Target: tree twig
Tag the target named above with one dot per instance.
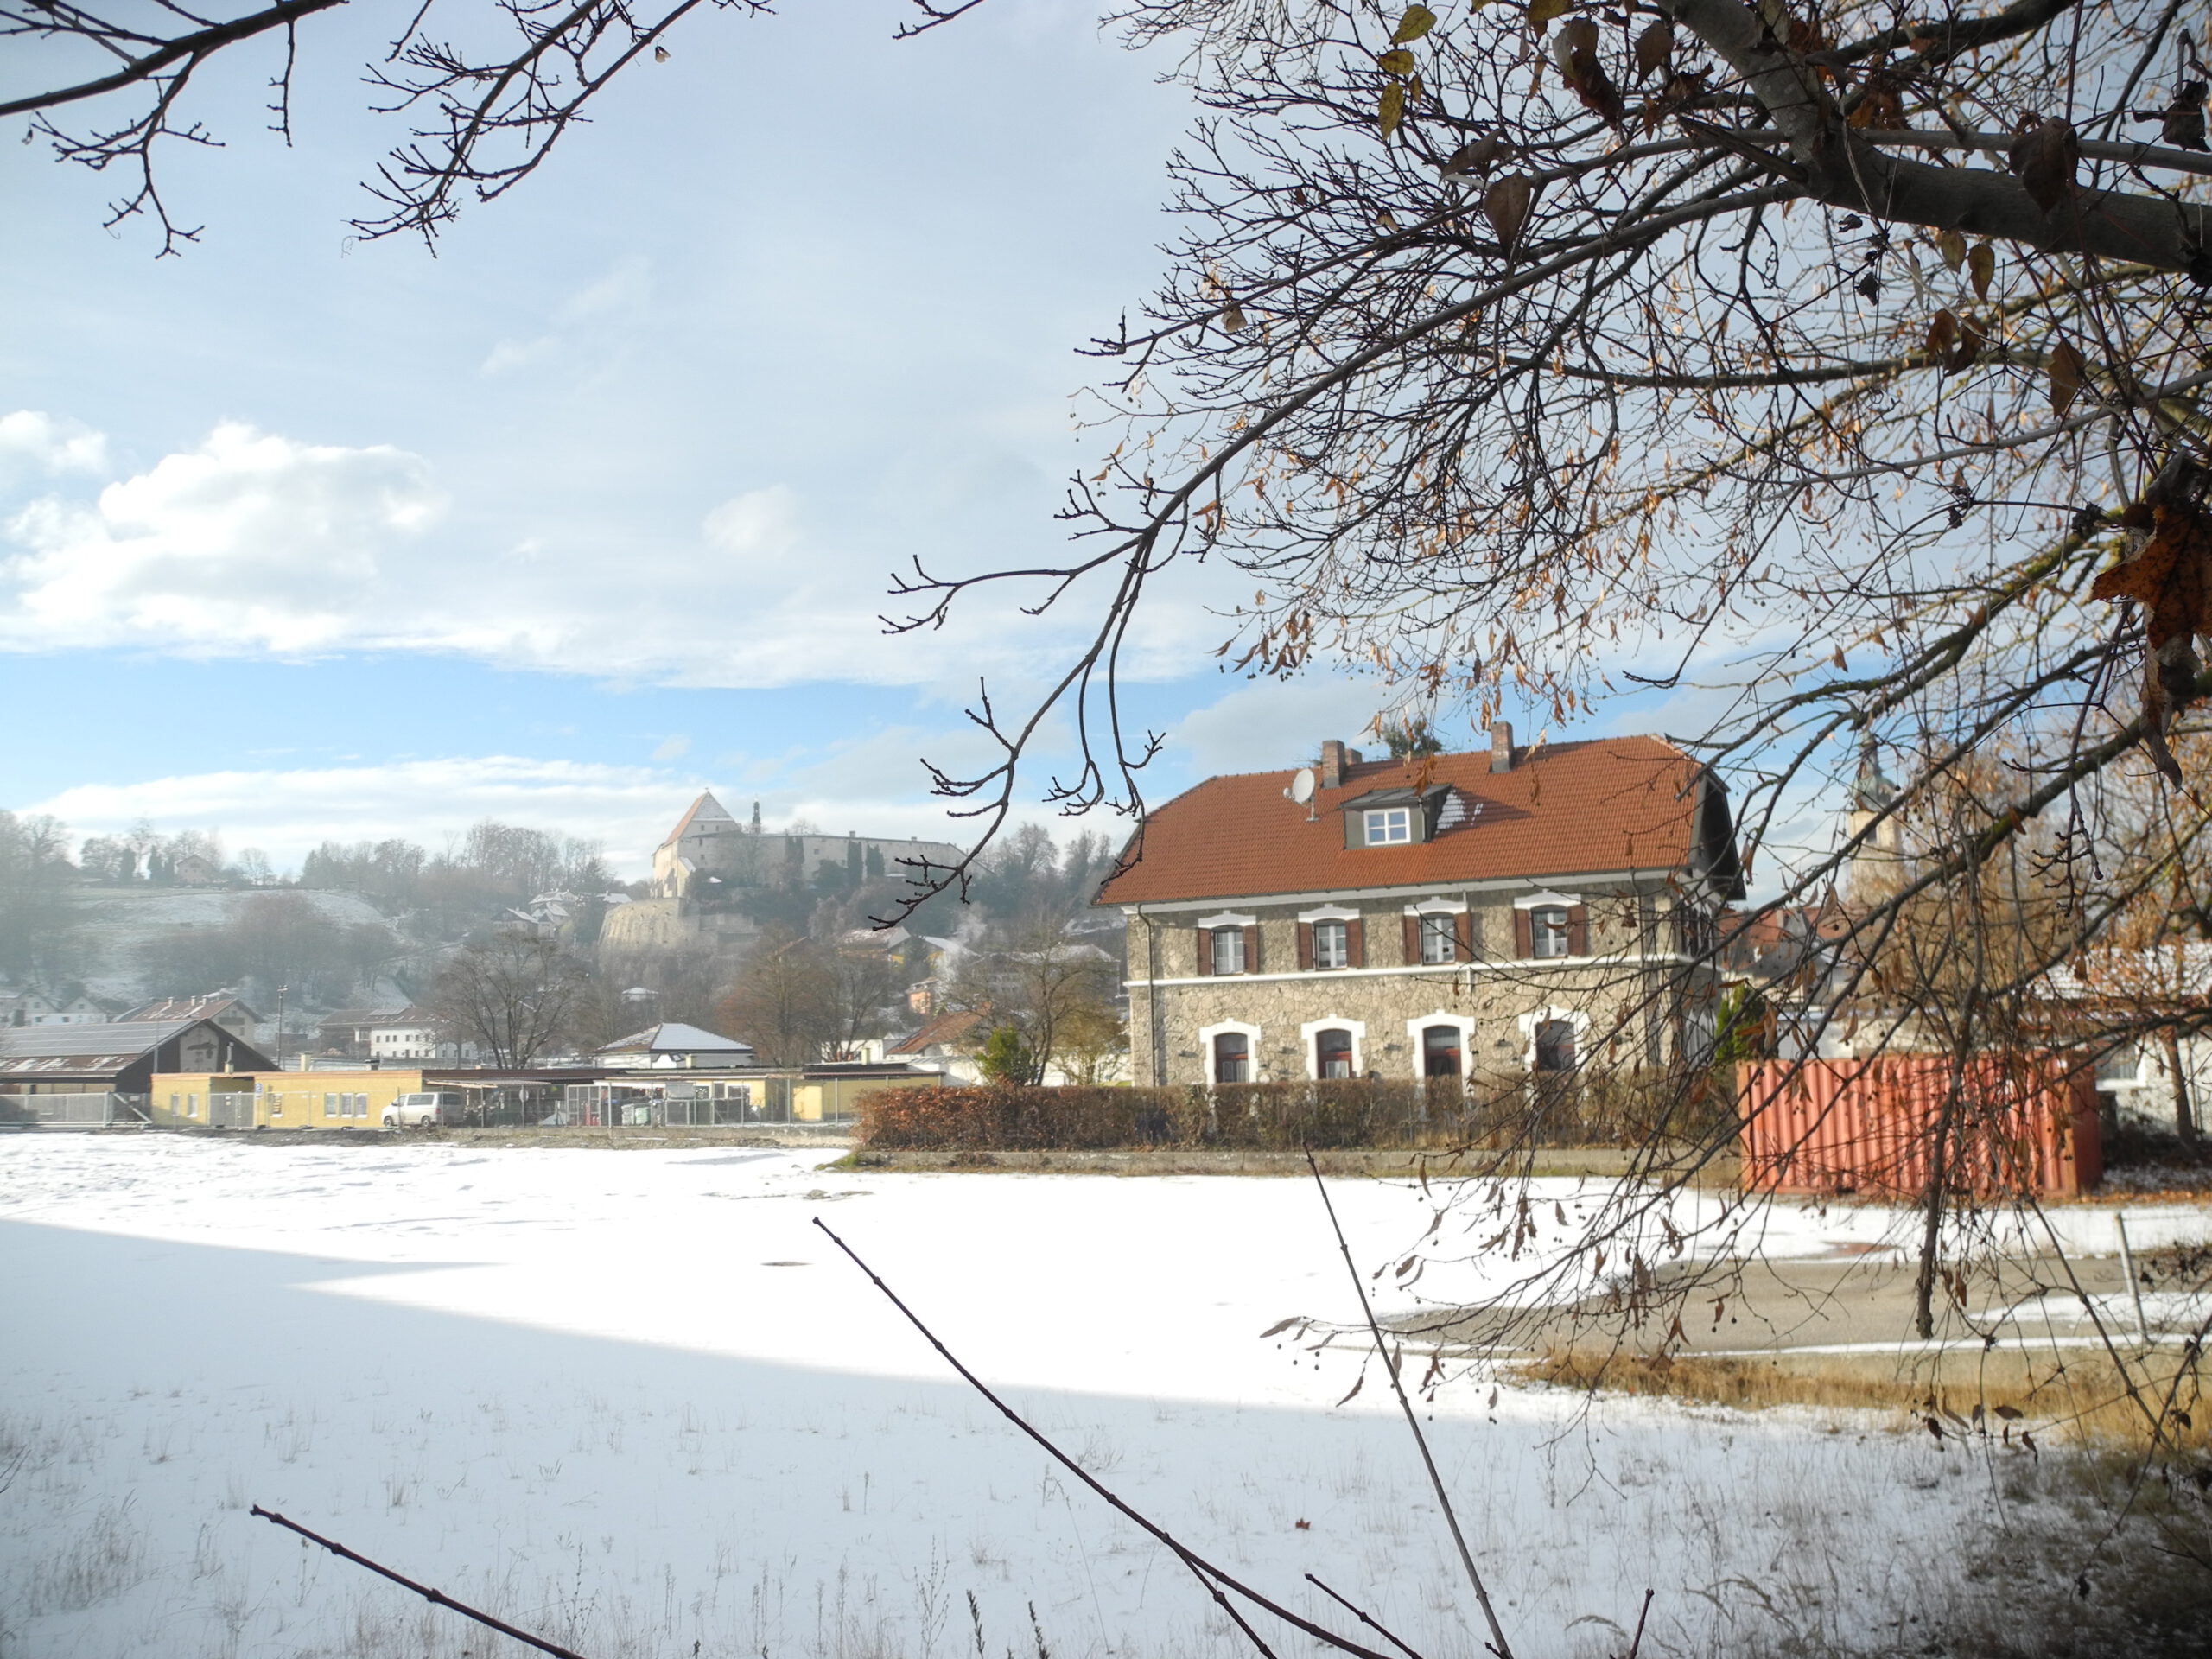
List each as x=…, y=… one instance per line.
x=1498, y=1642
x=1206, y=1573
x=437, y=1598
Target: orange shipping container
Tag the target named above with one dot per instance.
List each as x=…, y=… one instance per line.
x=2008, y=1125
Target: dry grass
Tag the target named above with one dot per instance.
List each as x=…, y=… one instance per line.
x=2078, y=1395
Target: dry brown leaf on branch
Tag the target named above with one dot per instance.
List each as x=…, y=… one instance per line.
x=1654, y=47
x=1477, y=155
x=2170, y=576
x=1953, y=247
x=2068, y=375
x=2044, y=158
x=1396, y=62
x=1574, y=48
x=1416, y=22
x=1542, y=11
x=1391, y=111
x=1942, y=332
x=1982, y=265
x=1506, y=205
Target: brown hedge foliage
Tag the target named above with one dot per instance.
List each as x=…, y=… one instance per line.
x=1285, y=1116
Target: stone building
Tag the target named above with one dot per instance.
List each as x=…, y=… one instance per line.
x=1494, y=913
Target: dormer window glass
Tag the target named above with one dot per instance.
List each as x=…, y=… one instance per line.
x=1332, y=944
x=1440, y=939
x=1388, y=826
x=1547, y=931
x=1228, y=951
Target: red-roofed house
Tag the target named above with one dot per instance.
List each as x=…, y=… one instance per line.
x=1446, y=915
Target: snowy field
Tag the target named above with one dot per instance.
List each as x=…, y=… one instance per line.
x=635, y=1400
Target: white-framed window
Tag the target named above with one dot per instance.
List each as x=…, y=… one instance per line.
x=330, y=1105
x=1440, y=939
x=1332, y=944
x=1554, y=1045
x=1548, y=930
x=276, y=1105
x=1443, y=1043
x=1443, y=1051
x=1228, y=949
x=1231, y=1051
x=2122, y=1065
x=1387, y=826
x=1335, y=1047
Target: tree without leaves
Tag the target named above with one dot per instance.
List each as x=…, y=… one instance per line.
x=784, y=1002
x=486, y=88
x=511, y=994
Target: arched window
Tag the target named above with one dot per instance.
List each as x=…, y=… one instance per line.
x=1232, y=1056
x=1555, y=1046
x=1548, y=930
x=1332, y=1052
x=1440, y=1052
x=1229, y=950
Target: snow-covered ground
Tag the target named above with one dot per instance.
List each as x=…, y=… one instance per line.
x=635, y=1400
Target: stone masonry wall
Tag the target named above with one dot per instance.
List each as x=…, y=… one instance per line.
x=1495, y=991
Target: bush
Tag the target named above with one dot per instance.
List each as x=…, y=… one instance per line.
x=1278, y=1116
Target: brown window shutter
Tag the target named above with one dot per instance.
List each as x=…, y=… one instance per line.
x=1205, y=950
x=1524, y=934
x=1578, y=931
x=1463, y=934
x=1412, y=937
x=1252, y=951
x=1355, y=942
x=1305, y=946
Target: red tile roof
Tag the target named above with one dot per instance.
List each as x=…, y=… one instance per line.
x=1605, y=804
x=943, y=1031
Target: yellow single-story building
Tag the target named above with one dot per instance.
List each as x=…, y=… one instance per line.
x=280, y=1100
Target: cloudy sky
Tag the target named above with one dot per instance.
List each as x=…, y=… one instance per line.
x=301, y=538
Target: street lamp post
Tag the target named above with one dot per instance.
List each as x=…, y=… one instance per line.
x=279, y=1028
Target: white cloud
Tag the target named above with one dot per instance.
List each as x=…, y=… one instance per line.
x=249, y=541
x=673, y=748
x=588, y=325
x=1269, y=724
x=256, y=543
x=34, y=440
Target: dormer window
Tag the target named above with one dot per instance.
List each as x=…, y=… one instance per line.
x=1548, y=930
x=1387, y=826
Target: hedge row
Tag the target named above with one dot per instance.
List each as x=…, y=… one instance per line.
x=1357, y=1112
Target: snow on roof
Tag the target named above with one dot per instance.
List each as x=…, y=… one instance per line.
x=674, y=1037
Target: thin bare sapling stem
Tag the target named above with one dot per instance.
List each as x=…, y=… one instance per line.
x=1205, y=1571
x=1498, y=1642
x=436, y=1598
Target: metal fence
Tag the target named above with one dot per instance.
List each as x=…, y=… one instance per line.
x=82, y=1111
x=685, y=1105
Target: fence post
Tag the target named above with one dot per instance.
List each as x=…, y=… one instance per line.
x=2134, y=1285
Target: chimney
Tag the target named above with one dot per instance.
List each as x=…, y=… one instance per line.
x=1333, y=764
x=1501, y=746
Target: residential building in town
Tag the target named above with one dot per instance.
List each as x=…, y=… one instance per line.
x=1492, y=913
x=119, y=1056
x=223, y=1007
x=30, y=1007
x=673, y=1044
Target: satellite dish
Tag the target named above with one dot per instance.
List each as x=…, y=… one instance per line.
x=1301, y=785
